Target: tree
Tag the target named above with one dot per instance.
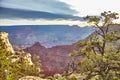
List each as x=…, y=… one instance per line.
x=4, y=61
x=14, y=66
x=101, y=52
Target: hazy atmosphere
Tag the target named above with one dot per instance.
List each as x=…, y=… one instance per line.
x=59, y=40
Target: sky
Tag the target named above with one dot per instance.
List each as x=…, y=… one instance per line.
x=93, y=7
x=63, y=12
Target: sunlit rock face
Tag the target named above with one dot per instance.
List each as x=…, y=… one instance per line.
x=27, y=58
x=8, y=46
x=31, y=78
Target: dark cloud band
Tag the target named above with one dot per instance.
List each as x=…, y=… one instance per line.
x=8, y=13
x=52, y=6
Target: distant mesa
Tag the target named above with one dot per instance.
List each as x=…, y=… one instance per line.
x=55, y=58
x=47, y=35
x=38, y=45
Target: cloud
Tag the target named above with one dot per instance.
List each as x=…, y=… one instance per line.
x=93, y=7
x=52, y=6
x=7, y=13
x=11, y=22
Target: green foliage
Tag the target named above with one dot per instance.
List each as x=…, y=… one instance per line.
x=92, y=18
x=4, y=61
x=69, y=77
x=13, y=70
x=100, y=53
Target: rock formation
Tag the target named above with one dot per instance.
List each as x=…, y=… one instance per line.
x=31, y=78
x=53, y=59
x=8, y=46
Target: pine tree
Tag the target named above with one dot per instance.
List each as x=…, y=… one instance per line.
x=100, y=53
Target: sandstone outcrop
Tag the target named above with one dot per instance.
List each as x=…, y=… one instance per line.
x=8, y=46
